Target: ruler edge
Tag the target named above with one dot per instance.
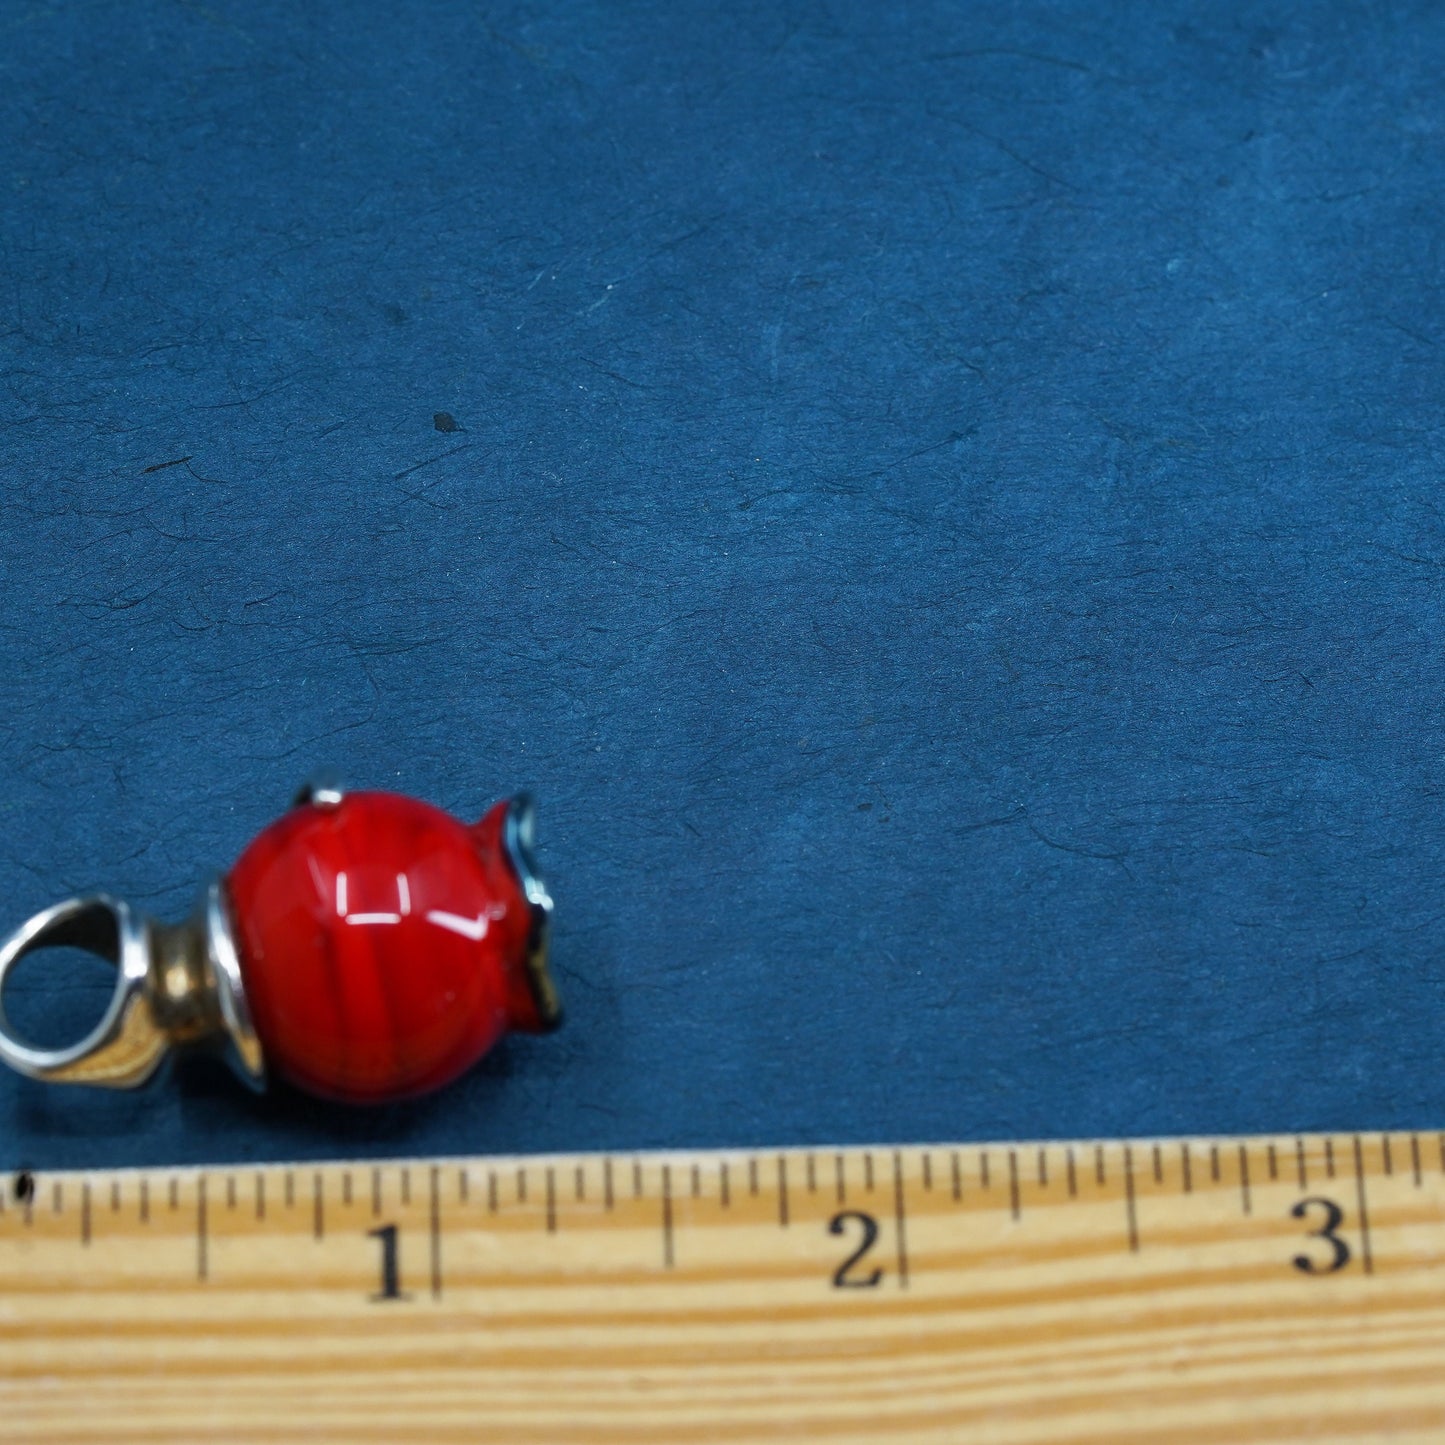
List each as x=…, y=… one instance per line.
x=700, y=1154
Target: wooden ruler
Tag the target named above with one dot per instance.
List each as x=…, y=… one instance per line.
x=1204, y=1290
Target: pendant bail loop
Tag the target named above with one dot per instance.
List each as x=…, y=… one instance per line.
x=176, y=985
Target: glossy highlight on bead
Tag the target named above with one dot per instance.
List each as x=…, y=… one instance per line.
x=365, y=947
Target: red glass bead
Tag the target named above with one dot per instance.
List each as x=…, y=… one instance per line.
x=385, y=946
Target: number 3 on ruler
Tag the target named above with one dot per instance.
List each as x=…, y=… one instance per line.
x=1334, y=1217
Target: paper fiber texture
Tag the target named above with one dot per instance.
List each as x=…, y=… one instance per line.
x=940, y=502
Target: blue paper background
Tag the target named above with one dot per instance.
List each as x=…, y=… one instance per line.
x=945, y=513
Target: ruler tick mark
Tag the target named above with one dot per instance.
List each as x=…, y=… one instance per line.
x=145, y=1201
x=434, y=1222
x=696, y=1181
x=1013, y=1183
x=57, y=1198
x=1158, y=1165
x=637, y=1180
x=900, y=1224
x=464, y=1186
x=376, y=1193
x=1415, y=1161
x=723, y=1194
x=173, y=1192
x=491, y=1191
x=812, y=1173
x=579, y=1184
x=318, y=1206
x=607, y=1183
x=840, y=1179
x=521, y=1187
x=1043, y=1168
x=1214, y=1163
x=928, y=1170
x=406, y=1188
x=202, y=1262
x=260, y=1195
x=1099, y=1165
x=290, y=1189
x=667, y=1254
x=1385, y=1155
x=114, y=1196
x=783, y=1190
x=1073, y=1172
x=983, y=1169
x=1130, y=1207
x=1186, y=1169
x=346, y=1187
x=1299, y=1159
x=1366, y=1258
x=85, y=1213
x=230, y=1191
x=1329, y=1158
x=1244, y=1178
x=868, y=1170
x=955, y=1175
x=551, y=1177
x=1273, y=1160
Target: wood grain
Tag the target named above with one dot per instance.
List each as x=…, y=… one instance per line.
x=1083, y=1293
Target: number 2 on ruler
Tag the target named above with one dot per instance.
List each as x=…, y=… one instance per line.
x=843, y=1276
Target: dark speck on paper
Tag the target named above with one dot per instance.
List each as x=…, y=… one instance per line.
x=445, y=421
